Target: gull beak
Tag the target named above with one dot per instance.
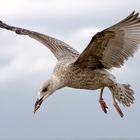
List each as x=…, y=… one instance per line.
x=37, y=104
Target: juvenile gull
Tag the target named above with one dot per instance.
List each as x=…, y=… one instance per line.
x=89, y=70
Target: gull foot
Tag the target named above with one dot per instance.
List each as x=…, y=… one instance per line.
x=103, y=105
x=118, y=109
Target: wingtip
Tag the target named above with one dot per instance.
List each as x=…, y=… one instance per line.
x=137, y=14
x=2, y=25
x=134, y=13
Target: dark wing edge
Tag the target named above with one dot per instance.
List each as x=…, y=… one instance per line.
x=112, y=46
x=60, y=49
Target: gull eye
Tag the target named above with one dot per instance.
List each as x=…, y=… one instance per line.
x=44, y=89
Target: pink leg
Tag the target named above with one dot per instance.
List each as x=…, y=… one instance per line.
x=117, y=106
x=102, y=102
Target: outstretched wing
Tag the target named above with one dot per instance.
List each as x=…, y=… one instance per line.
x=112, y=46
x=59, y=49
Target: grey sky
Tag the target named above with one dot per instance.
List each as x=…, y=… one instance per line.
x=25, y=64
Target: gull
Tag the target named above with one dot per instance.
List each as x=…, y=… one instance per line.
x=90, y=70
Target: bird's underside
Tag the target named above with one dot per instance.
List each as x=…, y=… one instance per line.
x=93, y=79
x=107, y=49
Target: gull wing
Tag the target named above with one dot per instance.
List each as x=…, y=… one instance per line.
x=112, y=46
x=60, y=49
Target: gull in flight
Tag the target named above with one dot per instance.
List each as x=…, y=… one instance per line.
x=107, y=49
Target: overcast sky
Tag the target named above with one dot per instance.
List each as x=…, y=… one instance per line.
x=25, y=64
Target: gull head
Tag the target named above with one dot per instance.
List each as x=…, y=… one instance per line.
x=46, y=90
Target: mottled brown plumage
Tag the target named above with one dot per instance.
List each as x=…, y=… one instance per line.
x=112, y=46
x=88, y=70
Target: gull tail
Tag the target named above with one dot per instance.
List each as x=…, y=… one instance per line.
x=123, y=93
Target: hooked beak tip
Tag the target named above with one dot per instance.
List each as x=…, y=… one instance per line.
x=37, y=104
x=34, y=111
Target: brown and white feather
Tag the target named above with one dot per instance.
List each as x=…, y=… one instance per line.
x=112, y=46
x=60, y=49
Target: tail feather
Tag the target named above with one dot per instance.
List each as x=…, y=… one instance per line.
x=123, y=93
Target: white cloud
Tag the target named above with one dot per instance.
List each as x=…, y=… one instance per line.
x=64, y=8
x=25, y=59
x=87, y=32
x=81, y=37
x=25, y=65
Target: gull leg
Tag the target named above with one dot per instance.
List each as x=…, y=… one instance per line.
x=117, y=106
x=102, y=102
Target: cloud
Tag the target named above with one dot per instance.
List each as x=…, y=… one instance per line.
x=63, y=8
x=23, y=57
x=81, y=37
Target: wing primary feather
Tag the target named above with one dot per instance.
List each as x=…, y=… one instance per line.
x=60, y=49
x=114, y=45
